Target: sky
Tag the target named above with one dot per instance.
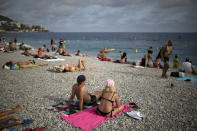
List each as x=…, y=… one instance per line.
x=105, y=15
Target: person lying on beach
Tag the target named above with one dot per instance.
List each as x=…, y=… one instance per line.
x=109, y=98
x=5, y=118
x=23, y=47
x=164, y=54
x=78, y=53
x=82, y=94
x=39, y=55
x=71, y=68
x=102, y=55
x=17, y=65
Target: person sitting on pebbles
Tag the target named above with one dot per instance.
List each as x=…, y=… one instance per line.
x=27, y=53
x=78, y=53
x=109, y=98
x=82, y=94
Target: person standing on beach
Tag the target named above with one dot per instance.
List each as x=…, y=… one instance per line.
x=15, y=40
x=176, y=62
x=150, y=52
x=82, y=94
x=52, y=45
x=164, y=54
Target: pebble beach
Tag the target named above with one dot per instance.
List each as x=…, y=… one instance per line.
x=166, y=107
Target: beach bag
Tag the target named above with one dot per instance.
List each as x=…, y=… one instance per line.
x=177, y=74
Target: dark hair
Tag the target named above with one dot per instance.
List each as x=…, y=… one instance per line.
x=187, y=60
x=151, y=47
x=80, y=79
x=170, y=42
x=78, y=51
x=176, y=56
x=124, y=55
x=9, y=64
x=44, y=45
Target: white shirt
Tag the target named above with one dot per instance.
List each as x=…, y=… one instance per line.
x=187, y=67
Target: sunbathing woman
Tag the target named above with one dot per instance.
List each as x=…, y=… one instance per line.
x=17, y=65
x=4, y=118
x=71, y=68
x=108, y=99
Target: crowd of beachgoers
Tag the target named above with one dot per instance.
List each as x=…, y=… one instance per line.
x=150, y=83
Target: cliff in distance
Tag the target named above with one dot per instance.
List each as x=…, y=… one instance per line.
x=9, y=25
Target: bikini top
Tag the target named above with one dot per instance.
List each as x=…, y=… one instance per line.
x=108, y=99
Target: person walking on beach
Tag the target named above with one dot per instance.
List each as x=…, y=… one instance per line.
x=164, y=54
x=82, y=94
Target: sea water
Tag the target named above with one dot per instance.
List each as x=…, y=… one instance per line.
x=185, y=44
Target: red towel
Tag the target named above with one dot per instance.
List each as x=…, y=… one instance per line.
x=88, y=119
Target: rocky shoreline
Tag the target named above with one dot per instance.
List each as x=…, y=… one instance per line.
x=167, y=108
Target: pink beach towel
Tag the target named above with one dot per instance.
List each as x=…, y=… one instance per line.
x=89, y=120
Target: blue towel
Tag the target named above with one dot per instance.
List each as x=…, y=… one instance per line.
x=12, y=129
x=27, y=121
x=190, y=79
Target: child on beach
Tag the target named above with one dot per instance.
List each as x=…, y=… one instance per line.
x=82, y=94
x=176, y=62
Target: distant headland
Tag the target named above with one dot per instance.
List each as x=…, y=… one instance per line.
x=8, y=25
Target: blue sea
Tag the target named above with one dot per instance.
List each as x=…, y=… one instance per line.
x=91, y=42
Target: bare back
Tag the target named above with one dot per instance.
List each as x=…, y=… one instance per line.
x=107, y=105
x=78, y=91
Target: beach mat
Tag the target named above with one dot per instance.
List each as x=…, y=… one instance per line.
x=58, y=59
x=88, y=119
x=70, y=109
x=189, y=79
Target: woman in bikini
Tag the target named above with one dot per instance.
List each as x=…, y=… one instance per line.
x=108, y=99
x=70, y=68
